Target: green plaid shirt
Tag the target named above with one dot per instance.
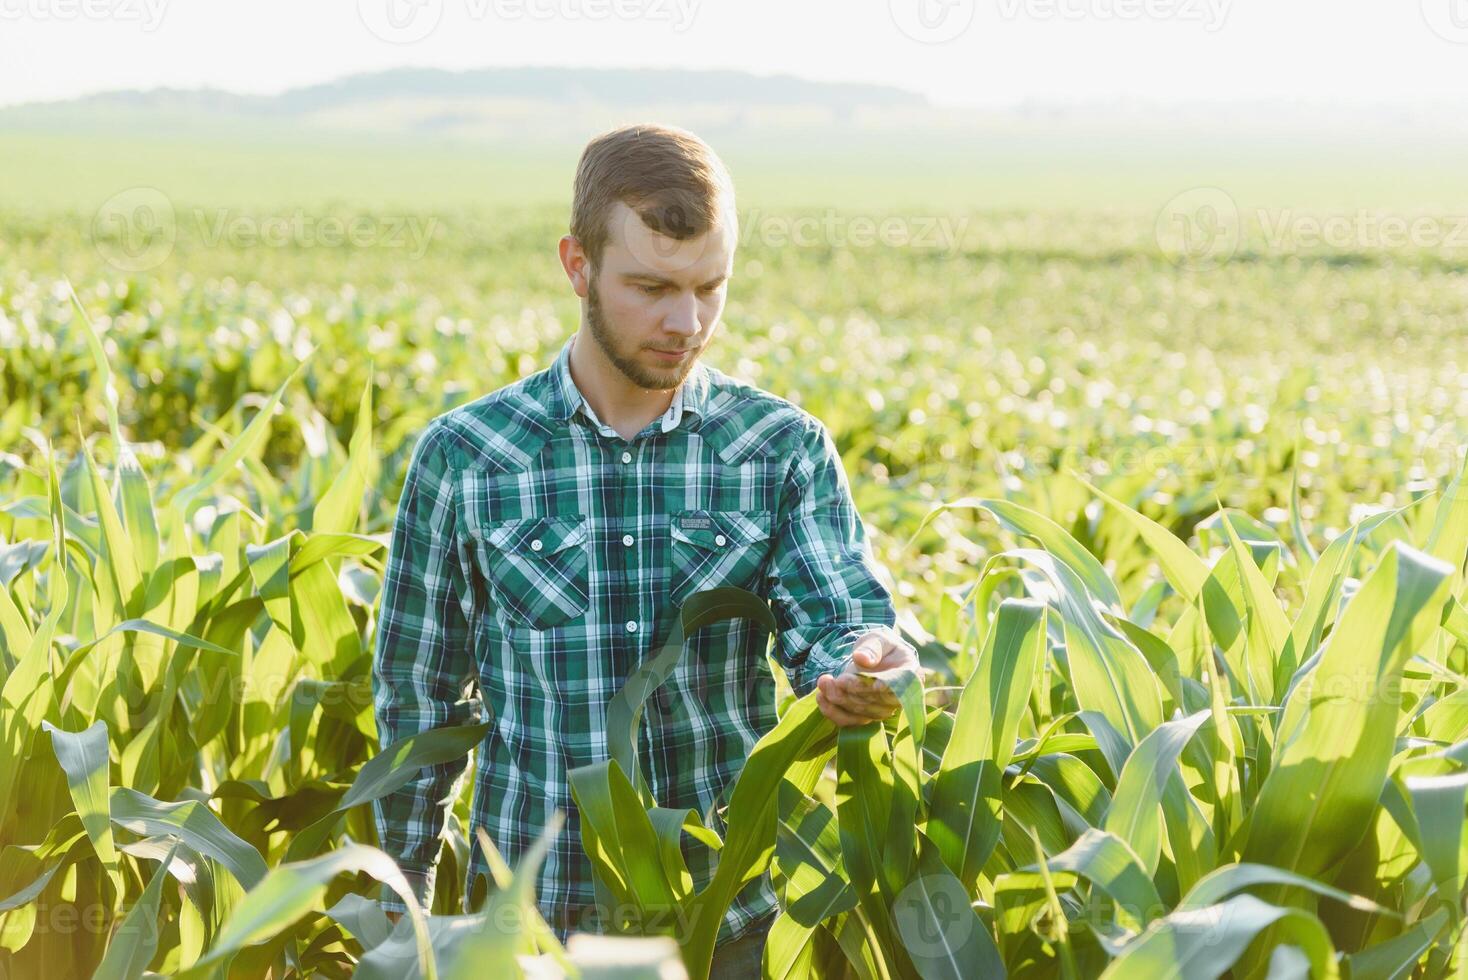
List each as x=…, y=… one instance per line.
x=537, y=558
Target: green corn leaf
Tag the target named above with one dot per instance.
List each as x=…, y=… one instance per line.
x=1395, y=958
x=796, y=749
x=857, y=944
x=1134, y=814
x=1271, y=658
x=907, y=772
x=963, y=820
x=1297, y=526
x=624, y=713
x=1107, y=674
x=865, y=787
x=1111, y=865
x=78, y=657
x=135, y=496
x=180, y=507
x=29, y=892
x=193, y=823
x=402, y=760
x=1438, y=803
x=339, y=508
x=940, y=932
x=388, y=770
x=120, y=564
x=1222, y=882
x=1448, y=539
x=507, y=923
x=290, y=890
x=321, y=546
x=790, y=950
x=669, y=826
x=1051, y=536
x=1203, y=943
x=138, y=513
x=619, y=835
x=808, y=851
x=1075, y=786
x=1337, y=733
x=29, y=691
x=1456, y=622
x=134, y=943
x=1184, y=569
x=364, y=919
x=83, y=755
x=195, y=874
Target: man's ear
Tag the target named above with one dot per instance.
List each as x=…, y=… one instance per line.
x=576, y=263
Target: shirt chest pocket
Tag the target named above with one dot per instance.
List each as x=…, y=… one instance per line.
x=536, y=568
x=713, y=548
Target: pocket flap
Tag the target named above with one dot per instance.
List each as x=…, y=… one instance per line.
x=715, y=529
x=536, y=537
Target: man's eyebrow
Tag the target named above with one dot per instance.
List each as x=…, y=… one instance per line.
x=664, y=281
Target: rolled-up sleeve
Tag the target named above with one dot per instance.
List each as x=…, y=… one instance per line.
x=423, y=664
x=824, y=584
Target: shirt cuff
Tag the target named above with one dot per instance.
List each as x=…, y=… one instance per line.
x=419, y=880
x=830, y=655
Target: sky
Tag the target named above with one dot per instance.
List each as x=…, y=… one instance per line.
x=985, y=53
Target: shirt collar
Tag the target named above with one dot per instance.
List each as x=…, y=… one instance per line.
x=691, y=396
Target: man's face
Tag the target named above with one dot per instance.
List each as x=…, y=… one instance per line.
x=652, y=293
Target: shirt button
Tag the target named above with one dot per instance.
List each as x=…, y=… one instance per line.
x=536, y=545
x=631, y=626
x=626, y=457
x=719, y=540
x=627, y=539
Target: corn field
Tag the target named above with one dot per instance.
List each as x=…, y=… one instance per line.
x=1168, y=726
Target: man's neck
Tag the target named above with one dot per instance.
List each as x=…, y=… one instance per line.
x=616, y=401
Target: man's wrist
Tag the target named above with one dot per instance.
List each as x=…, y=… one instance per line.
x=831, y=655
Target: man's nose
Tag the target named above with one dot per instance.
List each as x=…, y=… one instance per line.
x=683, y=317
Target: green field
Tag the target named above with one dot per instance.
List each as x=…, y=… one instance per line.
x=1020, y=340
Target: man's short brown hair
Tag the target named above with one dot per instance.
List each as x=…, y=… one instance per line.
x=669, y=177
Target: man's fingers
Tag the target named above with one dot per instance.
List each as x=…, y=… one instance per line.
x=839, y=714
x=868, y=698
x=833, y=693
x=848, y=692
x=870, y=650
x=835, y=696
x=868, y=690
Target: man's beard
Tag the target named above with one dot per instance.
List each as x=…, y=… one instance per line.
x=635, y=371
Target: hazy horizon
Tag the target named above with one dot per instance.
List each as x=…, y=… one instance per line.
x=956, y=53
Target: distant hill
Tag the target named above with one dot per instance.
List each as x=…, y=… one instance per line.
x=559, y=104
x=492, y=102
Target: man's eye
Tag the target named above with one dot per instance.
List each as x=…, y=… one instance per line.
x=650, y=290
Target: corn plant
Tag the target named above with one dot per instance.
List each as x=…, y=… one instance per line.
x=1250, y=789
x=1255, y=765
x=187, y=751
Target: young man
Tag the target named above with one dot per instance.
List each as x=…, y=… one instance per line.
x=548, y=532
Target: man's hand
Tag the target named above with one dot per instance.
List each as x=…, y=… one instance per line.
x=861, y=692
